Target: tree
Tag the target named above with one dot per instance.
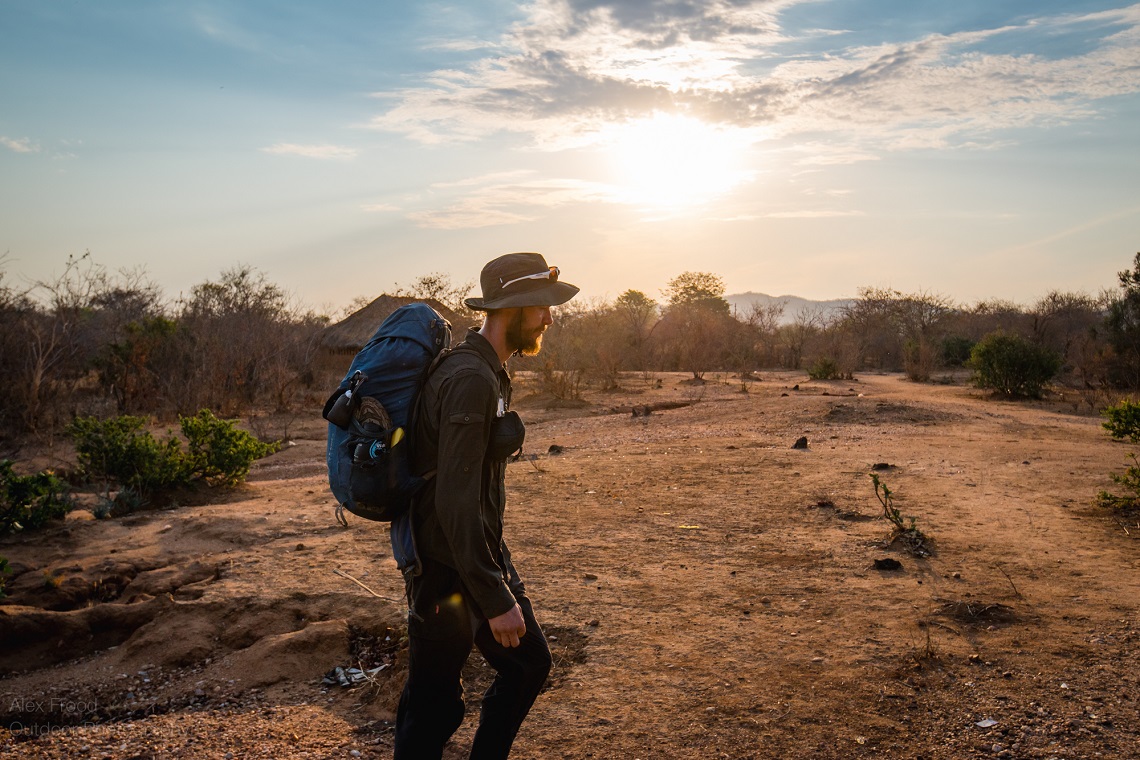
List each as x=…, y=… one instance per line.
x=638, y=314
x=1123, y=325
x=763, y=322
x=892, y=329
x=700, y=289
x=242, y=291
x=794, y=337
x=1012, y=366
x=245, y=342
x=438, y=286
x=1068, y=324
x=697, y=321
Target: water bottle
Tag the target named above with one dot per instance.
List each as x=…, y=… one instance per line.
x=367, y=453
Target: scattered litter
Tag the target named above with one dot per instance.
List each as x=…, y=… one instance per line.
x=987, y=723
x=690, y=527
x=349, y=677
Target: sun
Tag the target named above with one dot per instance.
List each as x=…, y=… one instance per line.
x=668, y=161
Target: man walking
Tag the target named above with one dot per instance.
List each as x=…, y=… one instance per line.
x=468, y=592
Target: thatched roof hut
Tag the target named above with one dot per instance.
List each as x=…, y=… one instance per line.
x=351, y=333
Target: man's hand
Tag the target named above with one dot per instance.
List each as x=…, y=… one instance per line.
x=509, y=627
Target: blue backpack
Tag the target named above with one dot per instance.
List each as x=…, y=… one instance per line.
x=371, y=416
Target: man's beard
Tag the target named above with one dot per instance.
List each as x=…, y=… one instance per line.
x=527, y=345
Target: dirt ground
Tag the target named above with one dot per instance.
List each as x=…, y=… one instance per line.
x=709, y=591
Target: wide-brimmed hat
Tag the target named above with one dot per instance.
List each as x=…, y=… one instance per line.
x=520, y=279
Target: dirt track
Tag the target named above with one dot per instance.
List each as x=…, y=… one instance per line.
x=709, y=592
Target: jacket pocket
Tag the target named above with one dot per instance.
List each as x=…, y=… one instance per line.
x=466, y=418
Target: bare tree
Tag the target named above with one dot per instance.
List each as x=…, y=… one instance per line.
x=764, y=321
x=794, y=337
x=439, y=286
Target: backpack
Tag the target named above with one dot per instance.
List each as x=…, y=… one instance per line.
x=371, y=416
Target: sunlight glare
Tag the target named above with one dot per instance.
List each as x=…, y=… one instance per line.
x=670, y=161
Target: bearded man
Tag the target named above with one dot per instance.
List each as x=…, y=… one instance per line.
x=467, y=592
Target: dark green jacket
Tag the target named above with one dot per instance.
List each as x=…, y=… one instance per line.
x=458, y=516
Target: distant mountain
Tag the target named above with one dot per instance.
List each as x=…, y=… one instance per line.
x=742, y=303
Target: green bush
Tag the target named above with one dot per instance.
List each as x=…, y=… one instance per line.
x=956, y=350
x=30, y=501
x=1123, y=421
x=1130, y=480
x=1012, y=366
x=118, y=450
x=913, y=540
x=219, y=452
x=825, y=369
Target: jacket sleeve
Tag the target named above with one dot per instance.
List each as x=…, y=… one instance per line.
x=467, y=409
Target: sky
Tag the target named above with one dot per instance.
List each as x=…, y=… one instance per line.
x=971, y=149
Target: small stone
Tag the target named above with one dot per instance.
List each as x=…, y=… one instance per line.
x=592, y=623
x=355, y=753
x=801, y=443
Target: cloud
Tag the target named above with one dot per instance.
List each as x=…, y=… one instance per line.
x=378, y=208
x=334, y=152
x=821, y=154
x=821, y=214
x=575, y=66
x=497, y=202
x=19, y=144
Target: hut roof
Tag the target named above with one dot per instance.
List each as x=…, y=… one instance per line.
x=351, y=333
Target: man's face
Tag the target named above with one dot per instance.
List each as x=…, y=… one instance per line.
x=527, y=327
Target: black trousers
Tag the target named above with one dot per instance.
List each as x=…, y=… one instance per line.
x=431, y=706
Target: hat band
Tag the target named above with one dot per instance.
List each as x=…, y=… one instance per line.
x=550, y=274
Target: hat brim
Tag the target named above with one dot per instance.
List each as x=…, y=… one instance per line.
x=554, y=294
